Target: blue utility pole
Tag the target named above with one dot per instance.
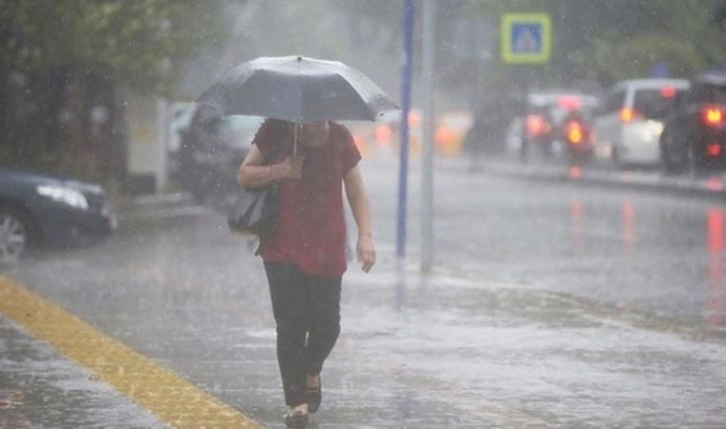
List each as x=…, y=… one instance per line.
x=406, y=79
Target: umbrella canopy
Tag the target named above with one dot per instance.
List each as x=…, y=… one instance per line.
x=298, y=89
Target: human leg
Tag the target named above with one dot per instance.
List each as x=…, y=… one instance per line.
x=288, y=293
x=324, y=328
x=324, y=318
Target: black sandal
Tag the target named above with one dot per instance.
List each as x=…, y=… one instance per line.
x=315, y=396
x=296, y=420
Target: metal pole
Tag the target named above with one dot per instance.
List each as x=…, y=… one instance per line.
x=429, y=106
x=405, y=108
x=526, y=140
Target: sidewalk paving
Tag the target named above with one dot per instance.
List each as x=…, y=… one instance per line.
x=40, y=388
x=415, y=352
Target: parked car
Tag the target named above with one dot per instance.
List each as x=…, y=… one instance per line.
x=551, y=117
x=38, y=209
x=212, y=149
x=694, y=137
x=630, y=120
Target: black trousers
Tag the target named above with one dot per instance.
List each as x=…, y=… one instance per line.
x=307, y=313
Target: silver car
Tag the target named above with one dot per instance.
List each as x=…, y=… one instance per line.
x=630, y=120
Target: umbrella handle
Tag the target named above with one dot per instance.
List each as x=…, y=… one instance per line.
x=294, y=141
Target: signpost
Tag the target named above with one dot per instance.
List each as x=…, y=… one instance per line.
x=406, y=77
x=427, y=178
x=526, y=42
x=526, y=38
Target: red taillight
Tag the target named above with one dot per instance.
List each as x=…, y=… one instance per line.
x=569, y=102
x=714, y=149
x=668, y=92
x=713, y=115
x=536, y=125
x=628, y=115
x=574, y=132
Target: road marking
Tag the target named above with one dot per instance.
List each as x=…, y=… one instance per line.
x=165, y=394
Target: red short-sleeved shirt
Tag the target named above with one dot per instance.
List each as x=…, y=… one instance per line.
x=310, y=229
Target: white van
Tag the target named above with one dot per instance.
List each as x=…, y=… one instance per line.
x=630, y=120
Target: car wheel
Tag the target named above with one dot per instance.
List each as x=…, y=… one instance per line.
x=15, y=230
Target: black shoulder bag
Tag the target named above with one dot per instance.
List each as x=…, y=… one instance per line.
x=255, y=211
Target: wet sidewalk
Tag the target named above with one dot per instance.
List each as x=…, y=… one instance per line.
x=447, y=350
x=435, y=352
x=40, y=388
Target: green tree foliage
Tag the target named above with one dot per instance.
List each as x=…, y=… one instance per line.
x=63, y=58
x=136, y=43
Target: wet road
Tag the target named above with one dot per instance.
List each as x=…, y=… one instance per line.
x=551, y=305
x=660, y=254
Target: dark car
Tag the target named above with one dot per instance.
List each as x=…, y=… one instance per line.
x=694, y=133
x=40, y=209
x=212, y=149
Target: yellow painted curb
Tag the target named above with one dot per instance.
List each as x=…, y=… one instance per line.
x=172, y=399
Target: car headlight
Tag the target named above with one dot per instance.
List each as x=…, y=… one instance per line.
x=70, y=196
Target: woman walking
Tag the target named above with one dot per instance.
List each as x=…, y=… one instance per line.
x=304, y=257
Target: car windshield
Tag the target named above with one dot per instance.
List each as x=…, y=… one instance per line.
x=654, y=103
x=558, y=106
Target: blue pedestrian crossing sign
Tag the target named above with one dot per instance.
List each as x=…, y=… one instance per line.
x=526, y=38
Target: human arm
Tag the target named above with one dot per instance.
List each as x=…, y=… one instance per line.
x=360, y=206
x=254, y=174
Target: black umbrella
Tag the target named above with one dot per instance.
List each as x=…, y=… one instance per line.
x=298, y=89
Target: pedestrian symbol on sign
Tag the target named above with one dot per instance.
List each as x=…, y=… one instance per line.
x=526, y=38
